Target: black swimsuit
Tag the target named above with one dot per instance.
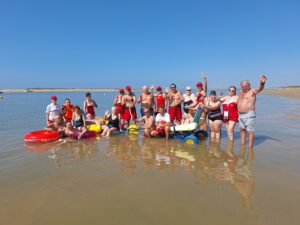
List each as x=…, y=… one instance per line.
x=113, y=122
x=215, y=114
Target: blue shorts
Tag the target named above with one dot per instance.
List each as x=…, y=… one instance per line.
x=247, y=120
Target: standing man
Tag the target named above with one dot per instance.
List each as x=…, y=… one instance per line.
x=128, y=102
x=175, y=98
x=147, y=101
x=246, y=106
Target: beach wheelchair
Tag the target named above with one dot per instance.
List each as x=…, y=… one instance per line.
x=189, y=133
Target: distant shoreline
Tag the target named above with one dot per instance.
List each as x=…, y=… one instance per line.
x=59, y=90
x=290, y=92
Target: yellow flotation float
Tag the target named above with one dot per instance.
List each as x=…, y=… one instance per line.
x=132, y=129
x=94, y=127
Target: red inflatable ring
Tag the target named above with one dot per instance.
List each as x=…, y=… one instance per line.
x=41, y=136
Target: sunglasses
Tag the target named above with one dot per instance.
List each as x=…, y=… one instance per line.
x=231, y=90
x=188, y=89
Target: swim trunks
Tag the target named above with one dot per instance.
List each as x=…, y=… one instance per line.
x=247, y=120
x=175, y=112
x=127, y=114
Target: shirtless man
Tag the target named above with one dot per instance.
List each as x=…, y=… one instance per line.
x=147, y=100
x=118, y=104
x=246, y=106
x=128, y=102
x=148, y=120
x=175, y=98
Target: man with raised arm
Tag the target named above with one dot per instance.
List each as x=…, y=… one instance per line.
x=246, y=106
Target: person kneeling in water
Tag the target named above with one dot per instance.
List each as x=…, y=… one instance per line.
x=148, y=120
x=162, y=123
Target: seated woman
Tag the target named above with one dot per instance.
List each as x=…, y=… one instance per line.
x=78, y=121
x=187, y=117
x=113, y=123
x=57, y=125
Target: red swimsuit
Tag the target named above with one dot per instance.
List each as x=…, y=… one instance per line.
x=160, y=100
x=232, y=109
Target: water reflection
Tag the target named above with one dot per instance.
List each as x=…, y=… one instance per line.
x=206, y=162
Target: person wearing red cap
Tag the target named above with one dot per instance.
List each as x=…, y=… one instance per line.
x=89, y=104
x=201, y=94
x=147, y=100
x=175, y=98
x=128, y=102
x=52, y=110
x=160, y=99
x=118, y=103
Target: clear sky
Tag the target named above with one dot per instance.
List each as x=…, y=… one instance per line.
x=111, y=43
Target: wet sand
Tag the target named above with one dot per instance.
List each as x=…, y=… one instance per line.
x=290, y=92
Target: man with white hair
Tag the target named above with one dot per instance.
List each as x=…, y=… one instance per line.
x=246, y=106
x=147, y=101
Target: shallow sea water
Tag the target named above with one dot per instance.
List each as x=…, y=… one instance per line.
x=128, y=179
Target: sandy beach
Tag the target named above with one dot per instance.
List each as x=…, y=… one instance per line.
x=290, y=92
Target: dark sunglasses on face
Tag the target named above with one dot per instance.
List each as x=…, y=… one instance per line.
x=188, y=89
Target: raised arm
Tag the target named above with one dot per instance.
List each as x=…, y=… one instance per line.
x=262, y=80
x=204, y=82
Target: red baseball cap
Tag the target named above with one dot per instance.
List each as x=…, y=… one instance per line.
x=128, y=88
x=53, y=97
x=199, y=84
x=158, y=88
x=121, y=90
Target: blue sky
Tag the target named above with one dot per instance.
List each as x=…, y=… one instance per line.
x=112, y=43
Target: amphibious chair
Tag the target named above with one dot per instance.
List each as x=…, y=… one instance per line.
x=189, y=133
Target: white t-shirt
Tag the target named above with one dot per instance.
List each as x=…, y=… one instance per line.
x=165, y=117
x=53, y=111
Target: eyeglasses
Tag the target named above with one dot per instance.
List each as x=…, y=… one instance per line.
x=188, y=89
x=231, y=90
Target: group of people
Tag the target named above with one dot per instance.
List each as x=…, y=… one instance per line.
x=162, y=109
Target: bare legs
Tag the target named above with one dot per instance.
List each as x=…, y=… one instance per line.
x=250, y=135
x=215, y=130
x=230, y=129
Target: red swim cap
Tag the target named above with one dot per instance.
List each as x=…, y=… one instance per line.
x=121, y=90
x=199, y=84
x=128, y=88
x=158, y=88
x=53, y=97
